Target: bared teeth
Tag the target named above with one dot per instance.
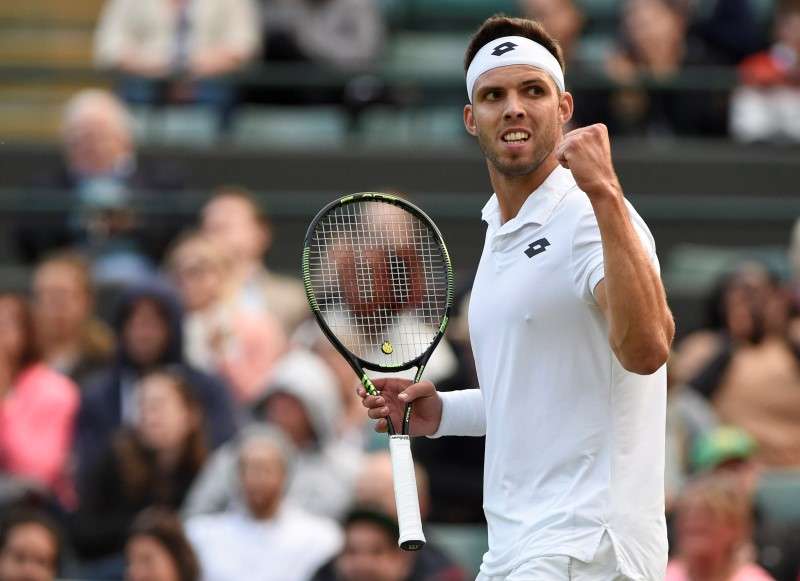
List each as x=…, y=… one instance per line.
x=516, y=136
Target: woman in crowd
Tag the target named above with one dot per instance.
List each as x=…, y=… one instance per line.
x=219, y=336
x=152, y=463
x=158, y=550
x=37, y=406
x=72, y=340
x=713, y=529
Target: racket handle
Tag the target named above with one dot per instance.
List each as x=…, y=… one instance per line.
x=405, y=494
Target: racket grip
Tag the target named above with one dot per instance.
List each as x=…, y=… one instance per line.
x=405, y=494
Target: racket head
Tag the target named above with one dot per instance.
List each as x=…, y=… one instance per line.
x=379, y=281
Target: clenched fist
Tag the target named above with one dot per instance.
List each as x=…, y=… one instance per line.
x=587, y=152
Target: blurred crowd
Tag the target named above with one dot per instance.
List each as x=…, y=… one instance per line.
x=655, y=67
x=196, y=424
x=169, y=412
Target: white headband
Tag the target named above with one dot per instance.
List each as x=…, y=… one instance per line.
x=513, y=50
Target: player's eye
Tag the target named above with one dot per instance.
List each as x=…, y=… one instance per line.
x=536, y=90
x=491, y=95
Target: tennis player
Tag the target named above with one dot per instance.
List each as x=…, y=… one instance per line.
x=570, y=330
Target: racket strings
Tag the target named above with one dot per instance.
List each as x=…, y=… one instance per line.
x=381, y=280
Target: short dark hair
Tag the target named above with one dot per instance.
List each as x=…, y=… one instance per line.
x=20, y=516
x=499, y=25
x=165, y=528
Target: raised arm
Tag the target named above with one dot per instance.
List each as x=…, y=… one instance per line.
x=631, y=295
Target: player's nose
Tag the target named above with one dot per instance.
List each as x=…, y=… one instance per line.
x=514, y=108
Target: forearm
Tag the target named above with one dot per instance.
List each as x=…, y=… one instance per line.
x=463, y=414
x=640, y=323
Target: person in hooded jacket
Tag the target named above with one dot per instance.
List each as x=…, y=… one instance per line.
x=148, y=324
x=303, y=401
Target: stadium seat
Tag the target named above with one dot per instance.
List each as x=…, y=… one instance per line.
x=307, y=126
x=694, y=268
x=778, y=496
x=427, y=53
x=466, y=544
x=455, y=14
x=429, y=126
x=184, y=125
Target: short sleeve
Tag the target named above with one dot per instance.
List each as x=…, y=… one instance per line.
x=587, y=251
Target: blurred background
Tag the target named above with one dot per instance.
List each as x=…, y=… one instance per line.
x=162, y=393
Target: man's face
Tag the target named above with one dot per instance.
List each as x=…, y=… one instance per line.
x=517, y=115
x=29, y=554
x=145, y=333
x=96, y=141
x=231, y=223
x=61, y=303
x=148, y=560
x=370, y=555
x=290, y=415
x=262, y=473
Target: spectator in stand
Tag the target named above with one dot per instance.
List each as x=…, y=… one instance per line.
x=714, y=522
x=729, y=29
x=655, y=45
x=37, y=406
x=220, y=336
x=375, y=491
x=99, y=166
x=345, y=34
x=690, y=418
x=71, y=339
x=565, y=21
x=354, y=426
x=749, y=368
x=302, y=401
x=765, y=107
x=267, y=539
x=370, y=552
x=186, y=44
x=148, y=324
x=235, y=223
x=158, y=550
x=30, y=547
x=455, y=465
x=152, y=463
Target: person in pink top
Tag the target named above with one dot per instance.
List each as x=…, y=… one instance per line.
x=37, y=406
x=713, y=530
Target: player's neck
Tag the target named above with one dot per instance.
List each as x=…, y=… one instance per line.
x=512, y=191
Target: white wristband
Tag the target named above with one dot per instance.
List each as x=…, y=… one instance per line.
x=463, y=414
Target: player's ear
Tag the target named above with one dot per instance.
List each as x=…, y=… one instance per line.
x=469, y=120
x=565, y=107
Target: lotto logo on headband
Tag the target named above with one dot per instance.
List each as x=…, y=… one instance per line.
x=513, y=50
x=502, y=49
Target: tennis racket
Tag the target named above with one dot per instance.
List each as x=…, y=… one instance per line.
x=379, y=281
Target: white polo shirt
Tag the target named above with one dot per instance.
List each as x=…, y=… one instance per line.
x=574, y=442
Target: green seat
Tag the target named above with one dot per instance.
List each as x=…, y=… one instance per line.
x=286, y=126
x=427, y=53
x=695, y=268
x=428, y=126
x=450, y=14
x=778, y=496
x=465, y=544
x=190, y=125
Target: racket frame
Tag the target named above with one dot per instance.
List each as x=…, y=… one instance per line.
x=411, y=535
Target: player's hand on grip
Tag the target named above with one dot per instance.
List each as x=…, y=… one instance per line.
x=395, y=394
x=586, y=151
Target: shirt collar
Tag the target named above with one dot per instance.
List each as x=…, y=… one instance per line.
x=537, y=207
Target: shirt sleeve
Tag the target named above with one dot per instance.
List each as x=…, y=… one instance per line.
x=463, y=414
x=587, y=251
